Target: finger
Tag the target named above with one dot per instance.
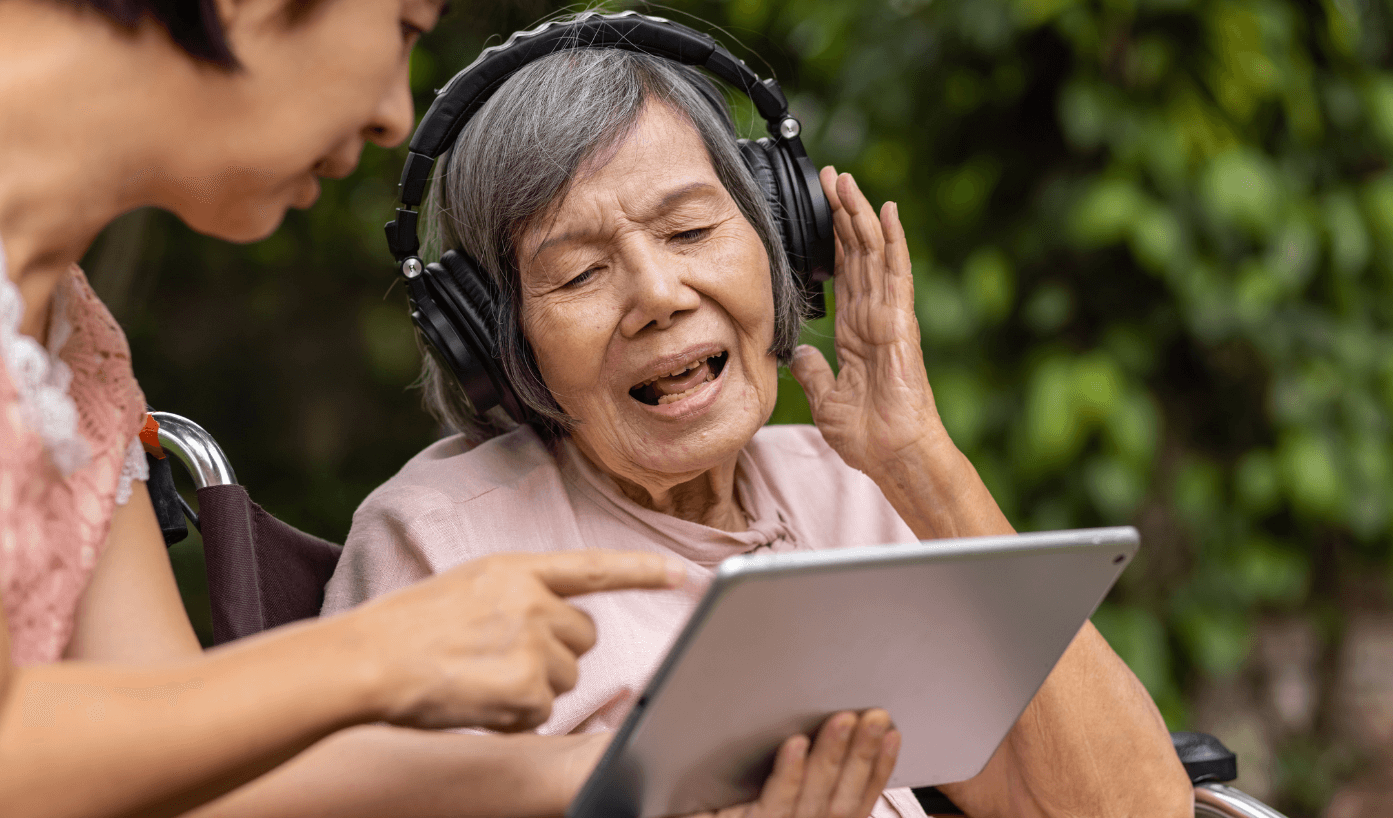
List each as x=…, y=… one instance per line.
x=586, y=572
x=896, y=245
x=865, y=223
x=885, y=765
x=814, y=374
x=562, y=671
x=860, y=763
x=571, y=626
x=854, y=275
x=843, y=227
x=825, y=765
x=898, y=268
x=828, y=177
x=779, y=795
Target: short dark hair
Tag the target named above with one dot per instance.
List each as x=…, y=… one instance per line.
x=193, y=25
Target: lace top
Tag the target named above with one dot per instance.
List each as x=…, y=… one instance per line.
x=69, y=415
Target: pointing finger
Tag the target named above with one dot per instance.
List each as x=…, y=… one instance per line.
x=586, y=572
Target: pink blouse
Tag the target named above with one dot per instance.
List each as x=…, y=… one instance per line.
x=451, y=504
x=69, y=416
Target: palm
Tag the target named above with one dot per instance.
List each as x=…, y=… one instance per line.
x=879, y=401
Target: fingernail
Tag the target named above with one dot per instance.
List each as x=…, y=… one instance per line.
x=804, y=349
x=796, y=747
x=676, y=571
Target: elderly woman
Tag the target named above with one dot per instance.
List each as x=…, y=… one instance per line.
x=646, y=307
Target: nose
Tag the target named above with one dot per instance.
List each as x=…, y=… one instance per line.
x=658, y=290
x=391, y=121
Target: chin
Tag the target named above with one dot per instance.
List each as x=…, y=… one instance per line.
x=241, y=226
x=703, y=447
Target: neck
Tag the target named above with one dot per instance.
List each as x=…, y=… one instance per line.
x=79, y=144
x=706, y=497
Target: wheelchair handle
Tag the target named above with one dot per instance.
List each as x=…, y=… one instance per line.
x=1215, y=800
x=196, y=449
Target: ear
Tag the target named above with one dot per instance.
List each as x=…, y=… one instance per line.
x=238, y=18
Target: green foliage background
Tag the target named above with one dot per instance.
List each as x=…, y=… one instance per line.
x=1151, y=241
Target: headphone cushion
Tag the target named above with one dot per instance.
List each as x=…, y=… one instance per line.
x=757, y=159
x=478, y=288
x=469, y=298
x=466, y=304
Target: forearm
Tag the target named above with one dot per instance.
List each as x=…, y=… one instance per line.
x=1091, y=743
x=936, y=490
x=159, y=739
x=374, y=770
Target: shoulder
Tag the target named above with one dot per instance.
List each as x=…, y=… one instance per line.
x=797, y=454
x=460, y=472
x=800, y=442
x=833, y=504
x=92, y=344
x=448, y=504
x=450, y=474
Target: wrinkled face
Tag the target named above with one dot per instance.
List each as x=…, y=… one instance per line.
x=307, y=98
x=646, y=297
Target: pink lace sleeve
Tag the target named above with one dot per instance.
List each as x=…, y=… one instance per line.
x=54, y=522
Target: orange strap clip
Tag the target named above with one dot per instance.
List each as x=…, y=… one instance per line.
x=150, y=437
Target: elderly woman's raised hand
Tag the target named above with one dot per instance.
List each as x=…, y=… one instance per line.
x=879, y=403
x=840, y=776
x=491, y=642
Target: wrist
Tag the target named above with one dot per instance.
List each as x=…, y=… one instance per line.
x=937, y=491
x=348, y=661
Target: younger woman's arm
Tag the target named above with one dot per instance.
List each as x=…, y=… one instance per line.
x=489, y=643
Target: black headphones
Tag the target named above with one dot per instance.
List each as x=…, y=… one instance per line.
x=452, y=300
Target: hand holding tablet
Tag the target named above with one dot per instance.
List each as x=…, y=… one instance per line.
x=841, y=774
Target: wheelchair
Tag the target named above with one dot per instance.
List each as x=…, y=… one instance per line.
x=263, y=573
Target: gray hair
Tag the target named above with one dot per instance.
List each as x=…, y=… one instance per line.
x=520, y=154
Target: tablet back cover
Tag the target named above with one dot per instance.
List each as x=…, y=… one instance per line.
x=953, y=637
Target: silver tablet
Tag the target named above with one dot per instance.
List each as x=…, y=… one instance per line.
x=953, y=637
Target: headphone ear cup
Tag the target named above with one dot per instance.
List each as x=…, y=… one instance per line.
x=757, y=160
x=463, y=302
x=794, y=192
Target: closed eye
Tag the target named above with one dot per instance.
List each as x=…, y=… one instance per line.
x=410, y=33
x=688, y=236
x=581, y=279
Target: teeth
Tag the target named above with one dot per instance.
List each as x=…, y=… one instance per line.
x=666, y=399
x=675, y=372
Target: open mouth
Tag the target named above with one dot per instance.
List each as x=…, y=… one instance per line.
x=681, y=384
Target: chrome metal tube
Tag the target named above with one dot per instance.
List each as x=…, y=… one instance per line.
x=196, y=449
x=1223, y=801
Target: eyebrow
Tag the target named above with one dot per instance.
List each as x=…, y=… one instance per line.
x=668, y=202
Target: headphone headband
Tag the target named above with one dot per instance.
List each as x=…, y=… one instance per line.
x=468, y=90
